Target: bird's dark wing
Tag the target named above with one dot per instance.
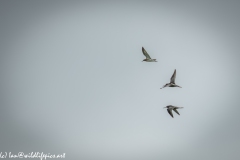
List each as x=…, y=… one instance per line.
x=173, y=77
x=170, y=112
x=145, y=53
x=176, y=111
x=166, y=85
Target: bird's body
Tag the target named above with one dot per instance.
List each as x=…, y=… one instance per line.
x=148, y=58
x=170, y=108
x=172, y=81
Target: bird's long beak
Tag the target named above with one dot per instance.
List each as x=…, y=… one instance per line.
x=164, y=107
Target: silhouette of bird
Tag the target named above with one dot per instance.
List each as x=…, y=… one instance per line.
x=170, y=108
x=172, y=81
x=148, y=58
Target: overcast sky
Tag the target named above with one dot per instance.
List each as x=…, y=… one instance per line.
x=73, y=80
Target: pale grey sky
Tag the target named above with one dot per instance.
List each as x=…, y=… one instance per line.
x=73, y=80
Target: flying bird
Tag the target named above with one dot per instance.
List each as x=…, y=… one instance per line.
x=148, y=58
x=170, y=108
x=172, y=81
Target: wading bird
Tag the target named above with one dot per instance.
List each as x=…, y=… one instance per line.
x=170, y=108
x=148, y=58
x=172, y=81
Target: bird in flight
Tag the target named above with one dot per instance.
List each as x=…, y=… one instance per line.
x=172, y=81
x=170, y=108
x=148, y=58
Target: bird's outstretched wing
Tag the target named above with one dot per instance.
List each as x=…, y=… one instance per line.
x=173, y=77
x=145, y=53
x=170, y=112
x=166, y=85
x=176, y=111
